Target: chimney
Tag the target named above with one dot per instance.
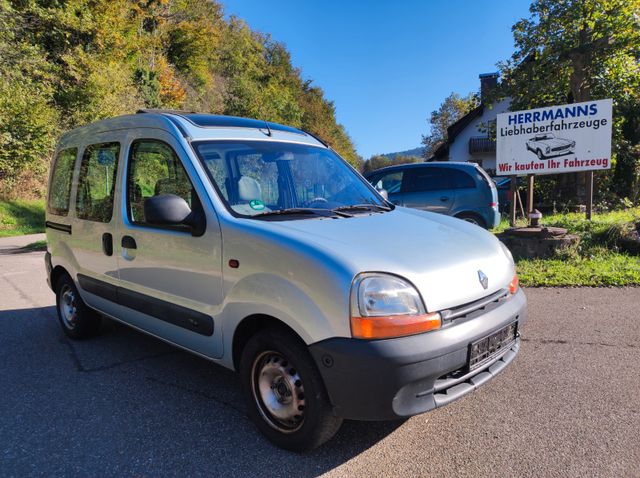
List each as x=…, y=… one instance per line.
x=488, y=82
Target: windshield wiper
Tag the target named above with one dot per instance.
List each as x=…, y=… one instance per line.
x=362, y=207
x=303, y=211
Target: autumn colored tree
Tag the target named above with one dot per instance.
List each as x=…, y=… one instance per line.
x=580, y=50
x=65, y=64
x=451, y=110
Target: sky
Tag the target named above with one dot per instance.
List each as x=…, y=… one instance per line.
x=387, y=64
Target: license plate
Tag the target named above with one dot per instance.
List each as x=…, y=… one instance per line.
x=484, y=350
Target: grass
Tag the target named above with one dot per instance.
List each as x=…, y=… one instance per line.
x=605, y=256
x=21, y=217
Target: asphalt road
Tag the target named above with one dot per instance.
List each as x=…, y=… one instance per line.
x=124, y=404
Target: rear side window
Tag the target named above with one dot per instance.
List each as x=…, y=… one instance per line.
x=60, y=186
x=461, y=180
x=96, y=185
x=154, y=169
x=426, y=179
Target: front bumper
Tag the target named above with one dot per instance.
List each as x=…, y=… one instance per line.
x=394, y=378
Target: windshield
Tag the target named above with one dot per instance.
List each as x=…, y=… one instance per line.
x=263, y=178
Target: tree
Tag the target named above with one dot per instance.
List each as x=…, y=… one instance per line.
x=579, y=50
x=451, y=110
x=378, y=161
x=67, y=63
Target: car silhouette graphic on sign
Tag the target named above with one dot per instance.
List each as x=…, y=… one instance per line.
x=547, y=145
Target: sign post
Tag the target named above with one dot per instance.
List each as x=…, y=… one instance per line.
x=555, y=139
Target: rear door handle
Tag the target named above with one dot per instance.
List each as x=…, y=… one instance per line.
x=444, y=198
x=107, y=244
x=128, y=242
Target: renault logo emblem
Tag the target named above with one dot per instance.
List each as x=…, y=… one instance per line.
x=484, y=280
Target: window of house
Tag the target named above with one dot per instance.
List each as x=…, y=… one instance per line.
x=61, y=178
x=154, y=169
x=96, y=184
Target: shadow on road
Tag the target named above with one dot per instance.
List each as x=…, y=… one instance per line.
x=126, y=403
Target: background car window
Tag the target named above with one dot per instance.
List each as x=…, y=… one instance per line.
x=461, y=180
x=60, y=186
x=97, y=180
x=154, y=169
x=392, y=182
x=426, y=179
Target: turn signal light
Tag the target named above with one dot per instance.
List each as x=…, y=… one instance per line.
x=393, y=326
x=513, y=285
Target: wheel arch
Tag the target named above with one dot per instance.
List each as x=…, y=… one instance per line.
x=251, y=325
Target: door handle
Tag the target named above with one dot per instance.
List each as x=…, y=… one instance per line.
x=444, y=198
x=107, y=244
x=128, y=242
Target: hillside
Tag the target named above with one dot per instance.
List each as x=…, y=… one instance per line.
x=415, y=152
x=66, y=64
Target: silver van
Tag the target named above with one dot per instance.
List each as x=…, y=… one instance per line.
x=255, y=246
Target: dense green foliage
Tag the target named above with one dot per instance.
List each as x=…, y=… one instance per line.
x=451, y=110
x=580, y=50
x=67, y=63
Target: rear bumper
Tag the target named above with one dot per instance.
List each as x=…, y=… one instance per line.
x=394, y=378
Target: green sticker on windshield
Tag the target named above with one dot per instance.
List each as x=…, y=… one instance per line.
x=256, y=205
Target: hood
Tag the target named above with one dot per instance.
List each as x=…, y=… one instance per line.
x=440, y=255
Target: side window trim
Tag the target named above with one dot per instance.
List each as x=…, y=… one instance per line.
x=127, y=184
x=53, y=210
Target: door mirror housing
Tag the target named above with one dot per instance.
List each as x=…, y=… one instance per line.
x=166, y=210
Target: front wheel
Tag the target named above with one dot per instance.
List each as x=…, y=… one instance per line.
x=540, y=155
x=285, y=393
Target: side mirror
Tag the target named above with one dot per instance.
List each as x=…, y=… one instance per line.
x=166, y=210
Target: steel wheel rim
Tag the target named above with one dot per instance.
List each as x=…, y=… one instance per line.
x=68, y=307
x=278, y=392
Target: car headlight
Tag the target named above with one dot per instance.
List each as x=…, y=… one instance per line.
x=573, y=143
x=384, y=306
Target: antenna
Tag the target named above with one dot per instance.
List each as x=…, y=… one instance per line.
x=268, y=129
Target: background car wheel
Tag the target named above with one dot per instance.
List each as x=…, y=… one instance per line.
x=77, y=320
x=285, y=393
x=473, y=219
x=539, y=153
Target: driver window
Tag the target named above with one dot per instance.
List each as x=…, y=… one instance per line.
x=154, y=169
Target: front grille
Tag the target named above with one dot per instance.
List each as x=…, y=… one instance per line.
x=475, y=308
x=561, y=148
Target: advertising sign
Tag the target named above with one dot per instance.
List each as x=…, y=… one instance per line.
x=555, y=139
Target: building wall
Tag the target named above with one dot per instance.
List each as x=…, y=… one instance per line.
x=459, y=149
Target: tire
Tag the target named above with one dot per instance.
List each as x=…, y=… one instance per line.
x=539, y=153
x=473, y=219
x=78, y=321
x=284, y=391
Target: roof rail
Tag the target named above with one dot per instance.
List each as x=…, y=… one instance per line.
x=163, y=111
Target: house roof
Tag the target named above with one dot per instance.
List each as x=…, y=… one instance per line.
x=455, y=129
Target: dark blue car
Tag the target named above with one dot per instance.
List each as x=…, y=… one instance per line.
x=463, y=190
